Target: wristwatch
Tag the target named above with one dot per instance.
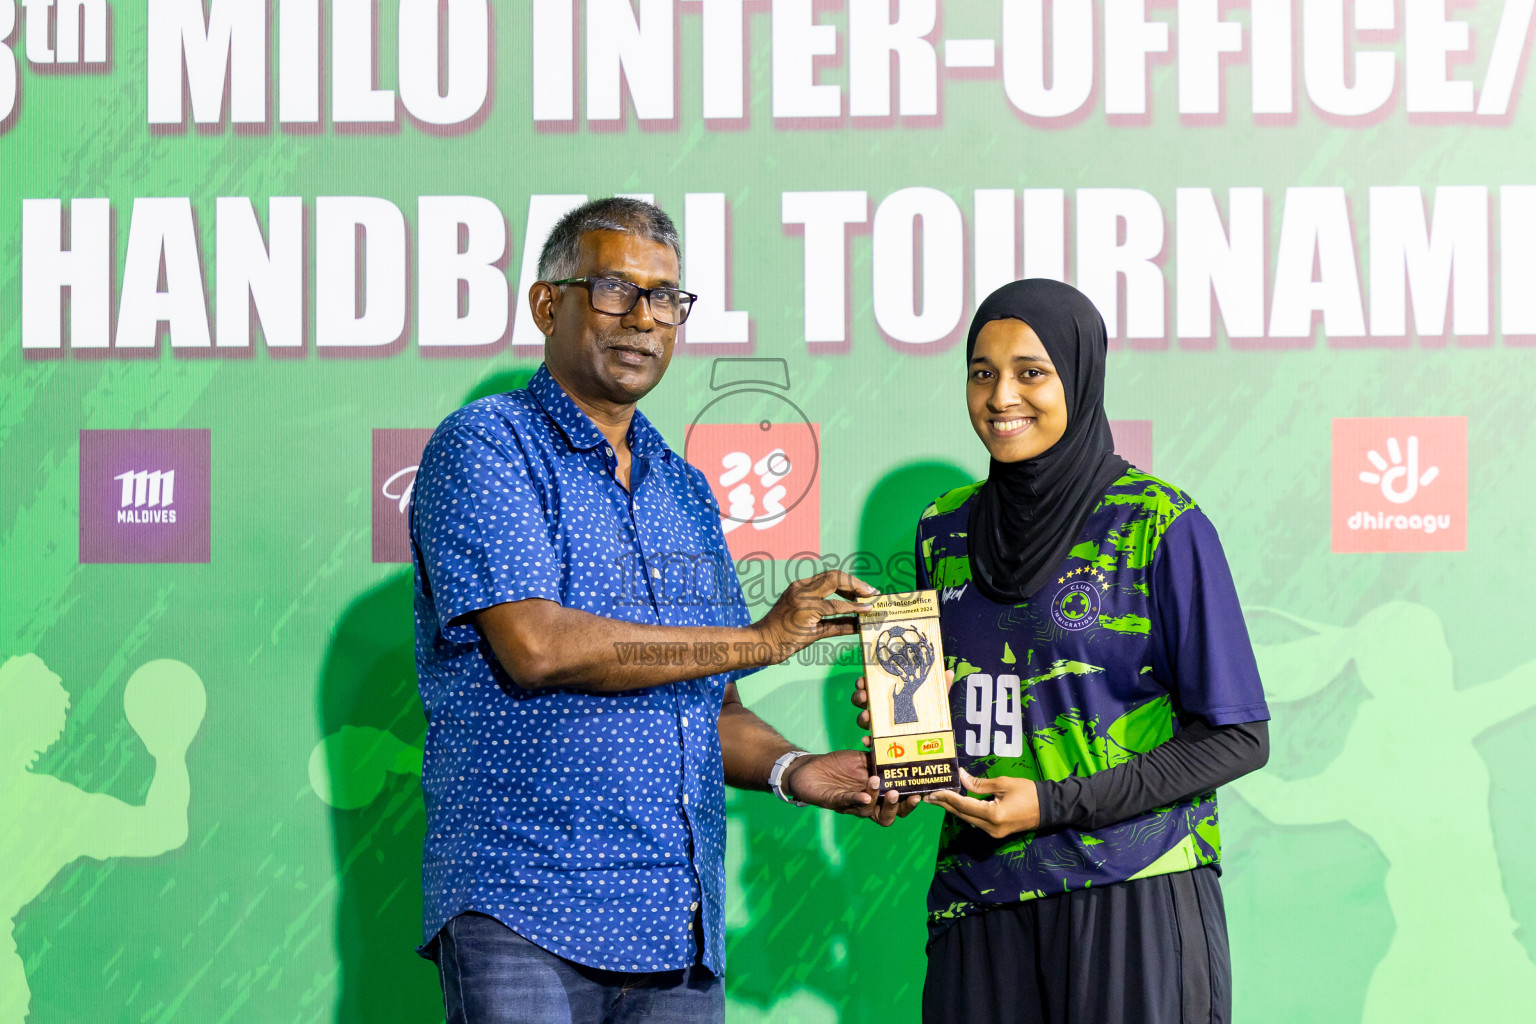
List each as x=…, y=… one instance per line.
x=776, y=775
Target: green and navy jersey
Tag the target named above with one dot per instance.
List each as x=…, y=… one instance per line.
x=1138, y=629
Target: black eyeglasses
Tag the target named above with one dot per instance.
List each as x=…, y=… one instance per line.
x=610, y=295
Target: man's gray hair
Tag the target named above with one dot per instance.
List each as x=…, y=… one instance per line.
x=561, y=255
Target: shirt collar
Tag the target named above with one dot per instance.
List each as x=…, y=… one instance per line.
x=580, y=432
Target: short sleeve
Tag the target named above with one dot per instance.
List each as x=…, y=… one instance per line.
x=1200, y=646
x=479, y=525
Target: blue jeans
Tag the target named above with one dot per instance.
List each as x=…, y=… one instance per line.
x=492, y=975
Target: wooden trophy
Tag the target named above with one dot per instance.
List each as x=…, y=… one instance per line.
x=912, y=738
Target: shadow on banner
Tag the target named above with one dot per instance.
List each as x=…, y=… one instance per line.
x=368, y=769
x=825, y=912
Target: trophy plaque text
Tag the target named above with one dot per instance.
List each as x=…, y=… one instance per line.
x=912, y=738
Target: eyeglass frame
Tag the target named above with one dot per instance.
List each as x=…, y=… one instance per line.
x=640, y=293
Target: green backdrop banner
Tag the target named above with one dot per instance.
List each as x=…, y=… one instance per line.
x=251, y=253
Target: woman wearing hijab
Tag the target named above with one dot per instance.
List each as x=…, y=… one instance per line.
x=1104, y=688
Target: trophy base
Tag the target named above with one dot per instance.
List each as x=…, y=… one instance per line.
x=908, y=776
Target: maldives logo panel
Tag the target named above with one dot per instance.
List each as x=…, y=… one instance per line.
x=145, y=496
x=1400, y=484
x=396, y=456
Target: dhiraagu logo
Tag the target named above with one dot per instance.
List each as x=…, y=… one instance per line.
x=1398, y=479
x=1400, y=484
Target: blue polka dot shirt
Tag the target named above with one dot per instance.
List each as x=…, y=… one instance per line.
x=591, y=824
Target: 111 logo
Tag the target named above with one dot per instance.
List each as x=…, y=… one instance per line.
x=147, y=496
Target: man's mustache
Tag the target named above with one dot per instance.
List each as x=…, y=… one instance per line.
x=650, y=348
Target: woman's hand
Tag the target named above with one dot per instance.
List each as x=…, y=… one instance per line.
x=1014, y=805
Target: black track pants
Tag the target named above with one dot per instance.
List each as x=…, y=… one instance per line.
x=1151, y=951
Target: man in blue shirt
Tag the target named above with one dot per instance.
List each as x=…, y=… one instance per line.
x=579, y=632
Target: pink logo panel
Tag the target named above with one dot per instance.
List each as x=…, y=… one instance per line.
x=396, y=454
x=1400, y=484
x=1133, y=442
x=766, y=478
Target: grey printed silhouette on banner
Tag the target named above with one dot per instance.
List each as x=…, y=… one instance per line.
x=49, y=823
x=1410, y=777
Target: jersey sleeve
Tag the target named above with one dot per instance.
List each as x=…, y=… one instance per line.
x=479, y=526
x=1198, y=759
x=1200, y=646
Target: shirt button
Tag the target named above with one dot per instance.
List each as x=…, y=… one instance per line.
x=685, y=721
x=685, y=799
x=656, y=574
x=693, y=906
x=608, y=450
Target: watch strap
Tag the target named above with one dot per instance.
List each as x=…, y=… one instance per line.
x=776, y=775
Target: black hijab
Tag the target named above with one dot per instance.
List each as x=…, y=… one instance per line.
x=1027, y=515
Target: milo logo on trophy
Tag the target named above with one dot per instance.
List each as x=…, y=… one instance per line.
x=913, y=738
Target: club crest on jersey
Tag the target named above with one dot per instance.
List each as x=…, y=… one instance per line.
x=1076, y=605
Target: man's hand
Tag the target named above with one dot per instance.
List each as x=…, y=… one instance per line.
x=860, y=699
x=840, y=781
x=796, y=619
x=1014, y=805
